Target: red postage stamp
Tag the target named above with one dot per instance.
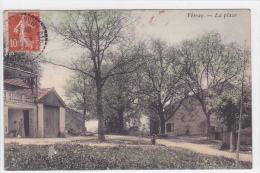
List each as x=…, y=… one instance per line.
x=24, y=31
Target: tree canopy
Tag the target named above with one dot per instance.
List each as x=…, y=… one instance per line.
x=101, y=34
x=208, y=65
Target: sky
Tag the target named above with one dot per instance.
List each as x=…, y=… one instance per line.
x=172, y=26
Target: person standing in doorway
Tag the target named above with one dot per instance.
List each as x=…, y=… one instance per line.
x=21, y=128
x=187, y=130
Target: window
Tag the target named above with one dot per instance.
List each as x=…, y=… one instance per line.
x=168, y=127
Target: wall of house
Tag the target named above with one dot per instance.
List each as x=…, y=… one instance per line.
x=62, y=121
x=73, y=119
x=14, y=115
x=192, y=119
x=40, y=121
x=14, y=112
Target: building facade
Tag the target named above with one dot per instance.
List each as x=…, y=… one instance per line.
x=29, y=111
x=189, y=119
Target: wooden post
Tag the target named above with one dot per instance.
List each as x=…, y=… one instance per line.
x=240, y=119
x=232, y=138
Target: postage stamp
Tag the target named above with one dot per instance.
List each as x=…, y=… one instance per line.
x=127, y=89
x=26, y=33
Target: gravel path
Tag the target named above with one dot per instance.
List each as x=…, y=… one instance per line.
x=199, y=148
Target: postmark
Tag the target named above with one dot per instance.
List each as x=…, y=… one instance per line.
x=26, y=33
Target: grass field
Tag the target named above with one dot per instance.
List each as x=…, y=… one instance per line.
x=115, y=141
x=83, y=157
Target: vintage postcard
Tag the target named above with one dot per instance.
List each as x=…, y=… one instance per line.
x=139, y=89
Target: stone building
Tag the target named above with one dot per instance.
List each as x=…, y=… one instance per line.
x=190, y=116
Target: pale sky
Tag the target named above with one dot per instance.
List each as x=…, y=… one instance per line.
x=172, y=26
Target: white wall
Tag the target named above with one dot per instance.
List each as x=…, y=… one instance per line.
x=40, y=121
x=14, y=115
x=62, y=121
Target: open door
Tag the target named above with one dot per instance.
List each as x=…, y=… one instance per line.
x=26, y=122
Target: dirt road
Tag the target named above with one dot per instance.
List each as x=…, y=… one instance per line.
x=199, y=148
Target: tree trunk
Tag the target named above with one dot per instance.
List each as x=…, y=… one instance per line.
x=208, y=127
x=120, y=113
x=84, y=130
x=225, y=140
x=162, y=119
x=84, y=119
x=207, y=114
x=101, y=134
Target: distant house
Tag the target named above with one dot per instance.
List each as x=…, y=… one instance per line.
x=246, y=136
x=42, y=110
x=74, y=120
x=191, y=117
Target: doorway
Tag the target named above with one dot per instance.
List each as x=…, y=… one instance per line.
x=26, y=122
x=51, y=121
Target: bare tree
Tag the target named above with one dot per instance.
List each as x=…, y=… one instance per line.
x=209, y=65
x=99, y=33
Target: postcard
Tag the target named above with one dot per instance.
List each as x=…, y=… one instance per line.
x=137, y=89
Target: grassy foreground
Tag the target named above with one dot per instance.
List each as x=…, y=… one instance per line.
x=78, y=157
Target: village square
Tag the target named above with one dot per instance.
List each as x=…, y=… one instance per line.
x=127, y=89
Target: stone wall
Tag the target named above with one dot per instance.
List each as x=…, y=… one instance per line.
x=74, y=118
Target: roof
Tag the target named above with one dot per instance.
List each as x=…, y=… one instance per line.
x=11, y=73
x=16, y=82
x=41, y=92
x=78, y=116
x=73, y=110
x=52, y=90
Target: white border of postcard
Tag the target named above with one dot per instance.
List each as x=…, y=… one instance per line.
x=147, y=4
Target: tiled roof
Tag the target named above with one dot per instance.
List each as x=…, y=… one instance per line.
x=16, y=82
x=41, y=92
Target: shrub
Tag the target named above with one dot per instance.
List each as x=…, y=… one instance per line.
x=134, y=131
x=125, y=132
x=72, y=130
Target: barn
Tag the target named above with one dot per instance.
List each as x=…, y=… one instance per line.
x=41, y=111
